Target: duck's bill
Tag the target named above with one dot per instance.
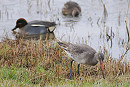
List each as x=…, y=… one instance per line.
x=14, y=28
x=101, y=65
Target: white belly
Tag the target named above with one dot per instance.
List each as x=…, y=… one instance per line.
x=78, y=58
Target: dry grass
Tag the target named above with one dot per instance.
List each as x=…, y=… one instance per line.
x=45, y=63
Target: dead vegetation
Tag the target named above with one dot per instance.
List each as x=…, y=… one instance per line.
x=32, y=54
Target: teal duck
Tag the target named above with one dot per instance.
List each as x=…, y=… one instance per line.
x=34, y=27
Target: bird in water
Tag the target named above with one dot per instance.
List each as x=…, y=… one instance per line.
x=34, y=27
x=71, y=8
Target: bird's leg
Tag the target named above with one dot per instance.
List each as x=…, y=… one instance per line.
x=78, y=69
x=70, y=68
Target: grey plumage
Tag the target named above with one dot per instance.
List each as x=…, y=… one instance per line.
x=34, y=27
x=83, y=54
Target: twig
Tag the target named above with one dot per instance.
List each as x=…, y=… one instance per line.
x=123, y=55
x=127, y=31
x=126, y=22
x=105, y=14
x=49, y=4
x=123, y=51
x=128, y=7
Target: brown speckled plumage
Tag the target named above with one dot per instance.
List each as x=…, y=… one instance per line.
x=71, y=8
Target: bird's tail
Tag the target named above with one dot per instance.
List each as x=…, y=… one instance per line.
x=63, y=44
x=51, y=29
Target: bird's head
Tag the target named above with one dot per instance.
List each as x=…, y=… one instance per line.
x=100, y=57
x=21, y=22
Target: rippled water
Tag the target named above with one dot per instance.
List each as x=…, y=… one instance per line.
x=91, y=27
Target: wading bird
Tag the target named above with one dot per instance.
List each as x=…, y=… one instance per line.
x=83, y=54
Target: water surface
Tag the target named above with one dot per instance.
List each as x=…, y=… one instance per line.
x=90, y=27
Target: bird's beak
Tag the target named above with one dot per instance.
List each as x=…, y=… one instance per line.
x=101, y=65
x=14, y=28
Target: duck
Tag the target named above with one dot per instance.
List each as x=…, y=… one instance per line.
x=71, y=8
x=34, y=27
x=82, y=54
